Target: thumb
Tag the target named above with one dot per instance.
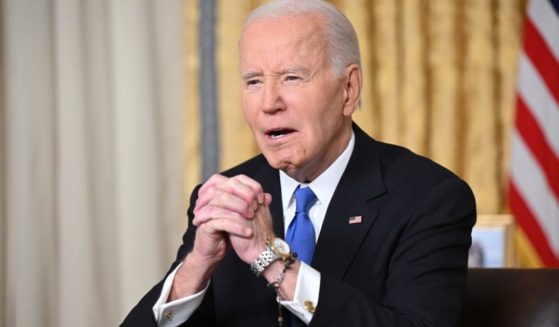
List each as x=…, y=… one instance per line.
x=267, y=198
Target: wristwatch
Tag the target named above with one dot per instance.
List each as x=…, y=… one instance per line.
x=280, y=247
x=276, y=249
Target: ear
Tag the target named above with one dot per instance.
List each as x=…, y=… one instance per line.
x=352, y=89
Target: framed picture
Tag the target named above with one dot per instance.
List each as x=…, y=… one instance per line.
x=492, y=242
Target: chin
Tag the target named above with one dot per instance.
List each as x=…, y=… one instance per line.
x=278, y=163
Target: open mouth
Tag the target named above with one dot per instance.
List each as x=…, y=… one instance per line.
x=278, y=133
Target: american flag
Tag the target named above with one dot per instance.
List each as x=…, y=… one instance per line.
x=355, y=220
x=534, y=176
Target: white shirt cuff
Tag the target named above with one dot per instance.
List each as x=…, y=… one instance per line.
x=307, y=289
x=174, y=313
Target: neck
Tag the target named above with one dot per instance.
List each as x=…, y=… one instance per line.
x=317, y=166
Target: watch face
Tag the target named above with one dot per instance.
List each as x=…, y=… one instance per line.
x=281, y=247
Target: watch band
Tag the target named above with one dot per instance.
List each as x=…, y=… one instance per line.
x=264, y=260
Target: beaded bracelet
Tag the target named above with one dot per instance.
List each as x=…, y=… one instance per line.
x=276, y=284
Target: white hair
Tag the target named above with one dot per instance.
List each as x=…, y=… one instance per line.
x=342, y=40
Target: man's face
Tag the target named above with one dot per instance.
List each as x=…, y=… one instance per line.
x=296, y=108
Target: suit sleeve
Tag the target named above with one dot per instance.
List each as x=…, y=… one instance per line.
x=142, y=314
x=425, y=280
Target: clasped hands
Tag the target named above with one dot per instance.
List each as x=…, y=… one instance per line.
x=231, y=213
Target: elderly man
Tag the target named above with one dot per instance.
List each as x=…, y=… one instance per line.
x=327, y=227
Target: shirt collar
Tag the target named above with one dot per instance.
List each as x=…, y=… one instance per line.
x=324, y=185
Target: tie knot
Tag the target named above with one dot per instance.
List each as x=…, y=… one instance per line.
x=304, y=198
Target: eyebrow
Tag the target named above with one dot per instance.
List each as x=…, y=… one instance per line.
x=249, y=75
x=290, y=70
x=296, y=69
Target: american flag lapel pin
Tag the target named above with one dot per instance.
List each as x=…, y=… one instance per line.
x=355, y=220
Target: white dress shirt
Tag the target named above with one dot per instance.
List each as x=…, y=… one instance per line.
x=307, y=288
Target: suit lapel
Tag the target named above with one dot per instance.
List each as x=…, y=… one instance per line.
x=269, y=179
x=362, y=181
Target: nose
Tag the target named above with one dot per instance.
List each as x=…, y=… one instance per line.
x=272, y=98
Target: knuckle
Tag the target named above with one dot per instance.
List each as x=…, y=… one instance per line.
x=213, y=212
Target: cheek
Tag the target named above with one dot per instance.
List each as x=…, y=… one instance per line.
x=249, y=111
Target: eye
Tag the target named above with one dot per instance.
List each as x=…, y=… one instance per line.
x=292, y=80
x=253, y=82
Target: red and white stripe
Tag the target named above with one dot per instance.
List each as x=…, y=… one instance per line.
x=534, y=177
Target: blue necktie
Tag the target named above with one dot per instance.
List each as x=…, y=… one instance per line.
x=300, y=234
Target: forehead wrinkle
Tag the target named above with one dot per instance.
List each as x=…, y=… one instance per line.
x=305, y=51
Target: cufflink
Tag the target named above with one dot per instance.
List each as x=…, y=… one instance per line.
x=168, y=315
x=309, y=306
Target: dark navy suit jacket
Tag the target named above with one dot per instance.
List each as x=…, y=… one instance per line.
x=405, y=264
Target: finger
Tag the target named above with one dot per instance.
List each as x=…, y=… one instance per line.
x=229, y=192
x=211, y=183
x=240, y=185
x=204, y=198
x=245, y=188
x=227, y=200
x=209, y=186
x=230, y=226
x=267, y=199
x=254, y=185
x=215, y=179
x=213, y=212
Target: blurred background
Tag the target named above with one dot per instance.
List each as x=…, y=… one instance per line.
x=111, y=112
